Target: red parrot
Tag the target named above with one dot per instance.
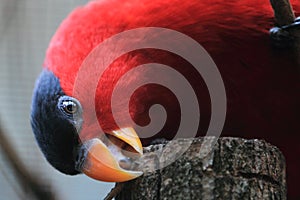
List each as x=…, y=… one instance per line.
x=261, y=82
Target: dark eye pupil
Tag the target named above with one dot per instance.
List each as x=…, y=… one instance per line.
x=70, y=107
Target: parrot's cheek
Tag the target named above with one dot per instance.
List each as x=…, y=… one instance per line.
x=111, y=159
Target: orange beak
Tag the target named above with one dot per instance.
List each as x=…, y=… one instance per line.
x=112, y=158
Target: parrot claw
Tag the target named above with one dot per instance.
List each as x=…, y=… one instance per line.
x=281, y=36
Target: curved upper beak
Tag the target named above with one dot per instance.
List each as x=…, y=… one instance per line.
x=111, y=159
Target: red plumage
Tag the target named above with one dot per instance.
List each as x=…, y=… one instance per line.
x=262, y=82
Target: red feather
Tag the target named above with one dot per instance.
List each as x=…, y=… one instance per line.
x=262, y=83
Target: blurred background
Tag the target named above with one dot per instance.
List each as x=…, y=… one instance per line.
x=26, y=27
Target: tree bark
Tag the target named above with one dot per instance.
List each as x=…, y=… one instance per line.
x=235, y=169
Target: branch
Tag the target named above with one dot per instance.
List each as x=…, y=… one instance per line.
x=283, y=12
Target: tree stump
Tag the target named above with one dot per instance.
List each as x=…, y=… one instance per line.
x=235, y=169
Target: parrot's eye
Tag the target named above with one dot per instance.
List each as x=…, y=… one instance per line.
x=69, y=105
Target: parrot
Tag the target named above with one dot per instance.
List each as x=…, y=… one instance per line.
x=261, y=83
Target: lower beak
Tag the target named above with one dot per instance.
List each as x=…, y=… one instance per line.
x=112, y=158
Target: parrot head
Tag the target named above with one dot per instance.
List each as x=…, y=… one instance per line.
x=57, y=122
